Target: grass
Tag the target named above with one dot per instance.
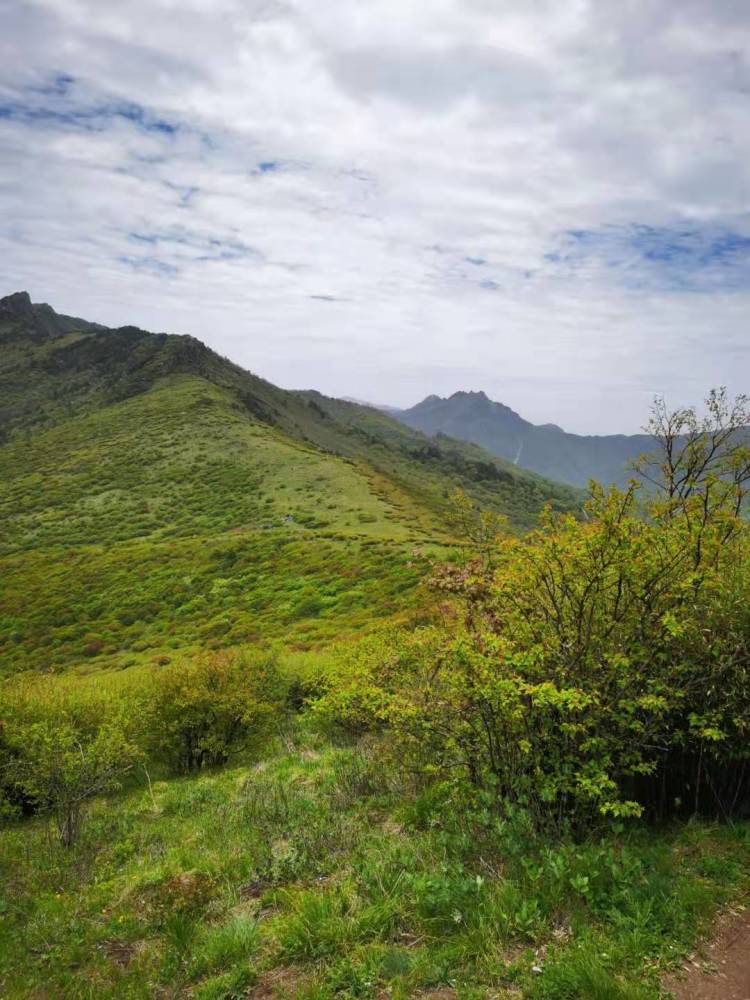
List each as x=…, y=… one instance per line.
x=317, y=874
x=173, y=521
x=118, y=606
x=154, y=497
x=181, y=460
x=156, y=501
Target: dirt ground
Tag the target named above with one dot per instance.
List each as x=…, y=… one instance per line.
x=720, y=970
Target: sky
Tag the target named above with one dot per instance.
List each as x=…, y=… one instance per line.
x=548, y=200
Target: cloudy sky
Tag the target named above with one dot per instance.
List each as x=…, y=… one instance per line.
x=545, y=199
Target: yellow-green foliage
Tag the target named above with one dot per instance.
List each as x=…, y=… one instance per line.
x=198, y=713
x=600, y=666
x=137, y=601
x=61, y=747
x=62, y=742
x=182, y=459
x=174, y=521
x=189, y=515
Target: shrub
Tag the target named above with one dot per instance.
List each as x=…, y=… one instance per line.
x=64, y=748
x=199, y=713
x=14, y=799
x=601, y=665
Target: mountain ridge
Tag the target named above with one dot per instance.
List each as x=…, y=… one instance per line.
x=546, y=449
x=156, y=496
x=103, y=365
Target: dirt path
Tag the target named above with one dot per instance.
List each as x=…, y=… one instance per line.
x=721, y=969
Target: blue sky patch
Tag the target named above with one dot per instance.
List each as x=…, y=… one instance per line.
x=151, y=265
x=93, y=119
x=58, y=102
x=182, y=246
x=698, y=258
x=59, y=86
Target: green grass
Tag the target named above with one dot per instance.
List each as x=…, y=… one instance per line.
x=173, y=521
x=181, y=460
x=156, y=501
x=316, y=873
x=154, y=497
x=116, y=606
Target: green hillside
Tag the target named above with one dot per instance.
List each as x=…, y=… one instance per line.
x=244, y=753
x=154, y=496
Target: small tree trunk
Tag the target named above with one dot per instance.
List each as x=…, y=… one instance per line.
x=68, y=823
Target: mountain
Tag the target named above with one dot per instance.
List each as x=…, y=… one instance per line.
x=545, y=449
x=156, y=497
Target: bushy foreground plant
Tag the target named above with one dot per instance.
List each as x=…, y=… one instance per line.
x=63, y=747
x=63, y=744
x=600, y=666
x=198, y=713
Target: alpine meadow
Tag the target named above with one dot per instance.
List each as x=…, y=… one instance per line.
x=304, y=697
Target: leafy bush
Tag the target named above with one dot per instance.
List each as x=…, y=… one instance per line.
x=15, y=801
x=63, y=748
x=62, y=773
x=200, y=712
x=600, y=666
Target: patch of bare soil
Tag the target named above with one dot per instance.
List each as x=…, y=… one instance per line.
x=277, y=983
x=254, y=889
x=720, y=970
x=119, y=952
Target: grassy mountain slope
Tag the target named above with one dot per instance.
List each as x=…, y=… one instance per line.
x=154, y=496
x=173, y=519
x=544, y=449
x=155, y=500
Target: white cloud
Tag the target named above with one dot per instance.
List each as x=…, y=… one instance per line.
x=400, y=141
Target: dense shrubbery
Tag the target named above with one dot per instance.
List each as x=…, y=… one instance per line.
x=63, y=744
x=197, y=714
x=61, y=747
x=601, y=666
x=596, y=667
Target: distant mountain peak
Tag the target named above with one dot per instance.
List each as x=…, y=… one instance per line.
x=479, y=402
x=471, y=394
x=17, y=305
x=546, y=449
x=460, y=395
x=24, y=319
